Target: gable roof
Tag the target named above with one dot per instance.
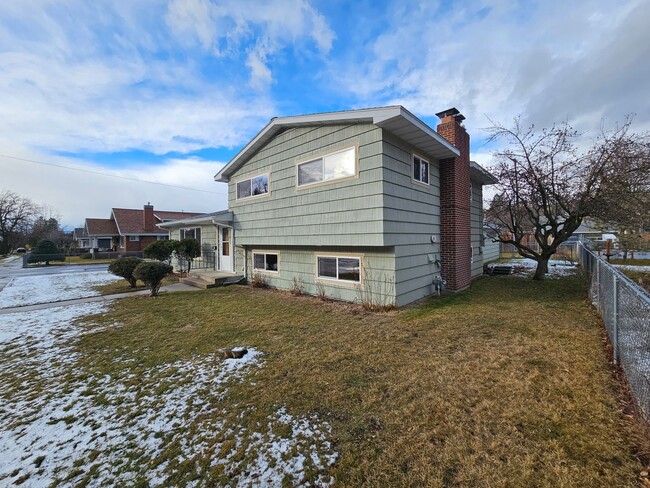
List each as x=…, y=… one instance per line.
x=395, y=119
x=101, y=227
x=79, y=232
x=131, y=221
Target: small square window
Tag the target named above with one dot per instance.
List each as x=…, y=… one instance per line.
x=134, y=238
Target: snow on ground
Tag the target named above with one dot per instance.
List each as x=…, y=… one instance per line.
x=61, y=422
x=629, y=267
x=30, y=290
x=524, y=266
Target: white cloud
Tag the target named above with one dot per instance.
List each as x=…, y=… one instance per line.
x=81, y=76
x=226, y=26
x=548, y=61
x=75, y=195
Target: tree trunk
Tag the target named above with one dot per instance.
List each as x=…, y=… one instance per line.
x=542, y=268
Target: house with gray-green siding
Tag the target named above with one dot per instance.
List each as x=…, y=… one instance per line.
x=360, y=205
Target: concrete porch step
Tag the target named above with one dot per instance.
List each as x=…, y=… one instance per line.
x=198, y=282
x=210, y=279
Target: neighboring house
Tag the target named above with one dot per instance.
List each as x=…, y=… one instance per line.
x=80, y=237
x=369, y=201
x=130, y=231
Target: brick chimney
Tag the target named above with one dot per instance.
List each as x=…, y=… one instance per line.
x=148, y=219
x=455, y=209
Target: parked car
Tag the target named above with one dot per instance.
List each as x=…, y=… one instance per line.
x=21, y=249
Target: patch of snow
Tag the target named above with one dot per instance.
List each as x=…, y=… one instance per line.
x=31, y=290
x=630, y=267
x=525, y=267
x=57, y=421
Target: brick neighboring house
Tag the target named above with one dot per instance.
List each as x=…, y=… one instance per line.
x=128, y=231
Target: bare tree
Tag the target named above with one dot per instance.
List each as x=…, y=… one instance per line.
x=16, y=214
x=547, y=186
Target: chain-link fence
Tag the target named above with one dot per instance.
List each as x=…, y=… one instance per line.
x=625, y=309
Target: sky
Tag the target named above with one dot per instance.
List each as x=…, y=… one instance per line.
x=121, y=103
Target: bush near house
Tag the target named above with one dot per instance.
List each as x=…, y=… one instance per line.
x=160, y=250
x=124, y=268
x=44, y=252
x=151, y=273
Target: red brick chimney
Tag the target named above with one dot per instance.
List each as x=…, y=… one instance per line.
x=148, y=220
x=455, y=230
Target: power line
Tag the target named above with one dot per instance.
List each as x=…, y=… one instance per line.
x=108, y=174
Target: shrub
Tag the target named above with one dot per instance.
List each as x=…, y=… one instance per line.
x=86, y=255
x=44, y=252
x=124, y=267
x=152, y=274
x=160, y=250
x=188, y=249
x=258, y=281
x=297, y=289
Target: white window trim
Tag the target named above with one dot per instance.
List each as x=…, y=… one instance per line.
x=336, y=280
x=134, y=238
x=333, y=180
x=261, y=195
x=423, y=159
x=265, y=251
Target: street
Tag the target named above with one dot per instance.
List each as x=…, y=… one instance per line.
x=14, y=269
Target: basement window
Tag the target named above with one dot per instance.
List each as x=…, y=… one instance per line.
x=420, y=170
x=265, y=262
x=339, y=268
x=253, y=187
x=334, y=166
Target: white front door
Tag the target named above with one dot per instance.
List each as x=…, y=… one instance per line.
x=225, y=249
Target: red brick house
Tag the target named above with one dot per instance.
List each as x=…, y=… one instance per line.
x=130, y=231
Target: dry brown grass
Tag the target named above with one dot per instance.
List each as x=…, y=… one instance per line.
x=641, y=278
x=506, y=384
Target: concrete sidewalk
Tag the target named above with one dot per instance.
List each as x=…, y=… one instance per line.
x=174, y=287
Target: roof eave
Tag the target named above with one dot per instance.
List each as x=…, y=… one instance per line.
x=382, y=117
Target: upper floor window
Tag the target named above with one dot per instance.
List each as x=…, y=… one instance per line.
x=420, y=170
x=258, y=185
x=334, y=166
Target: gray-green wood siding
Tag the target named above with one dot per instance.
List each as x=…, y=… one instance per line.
x=411, y=217
x=477, y=228
x=300, y=263
x=339, y=213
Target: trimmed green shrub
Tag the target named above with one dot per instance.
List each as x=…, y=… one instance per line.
x=152, y=274
x=124, y=268
x=188, y=249
x=86, y=255
x=44, y=252
x=160, y=250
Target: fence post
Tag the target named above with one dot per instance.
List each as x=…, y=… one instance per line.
x=598, y=284
x=615, y=320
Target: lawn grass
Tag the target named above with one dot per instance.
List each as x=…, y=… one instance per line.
x=506, y=384
x=123, y=286
x=631, y=262
x=641, y=278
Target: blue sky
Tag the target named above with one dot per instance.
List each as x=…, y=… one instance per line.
x=168, y=91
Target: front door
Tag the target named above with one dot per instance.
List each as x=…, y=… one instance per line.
x=225, y=249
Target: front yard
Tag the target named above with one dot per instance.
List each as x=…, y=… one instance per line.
x=504, y=385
